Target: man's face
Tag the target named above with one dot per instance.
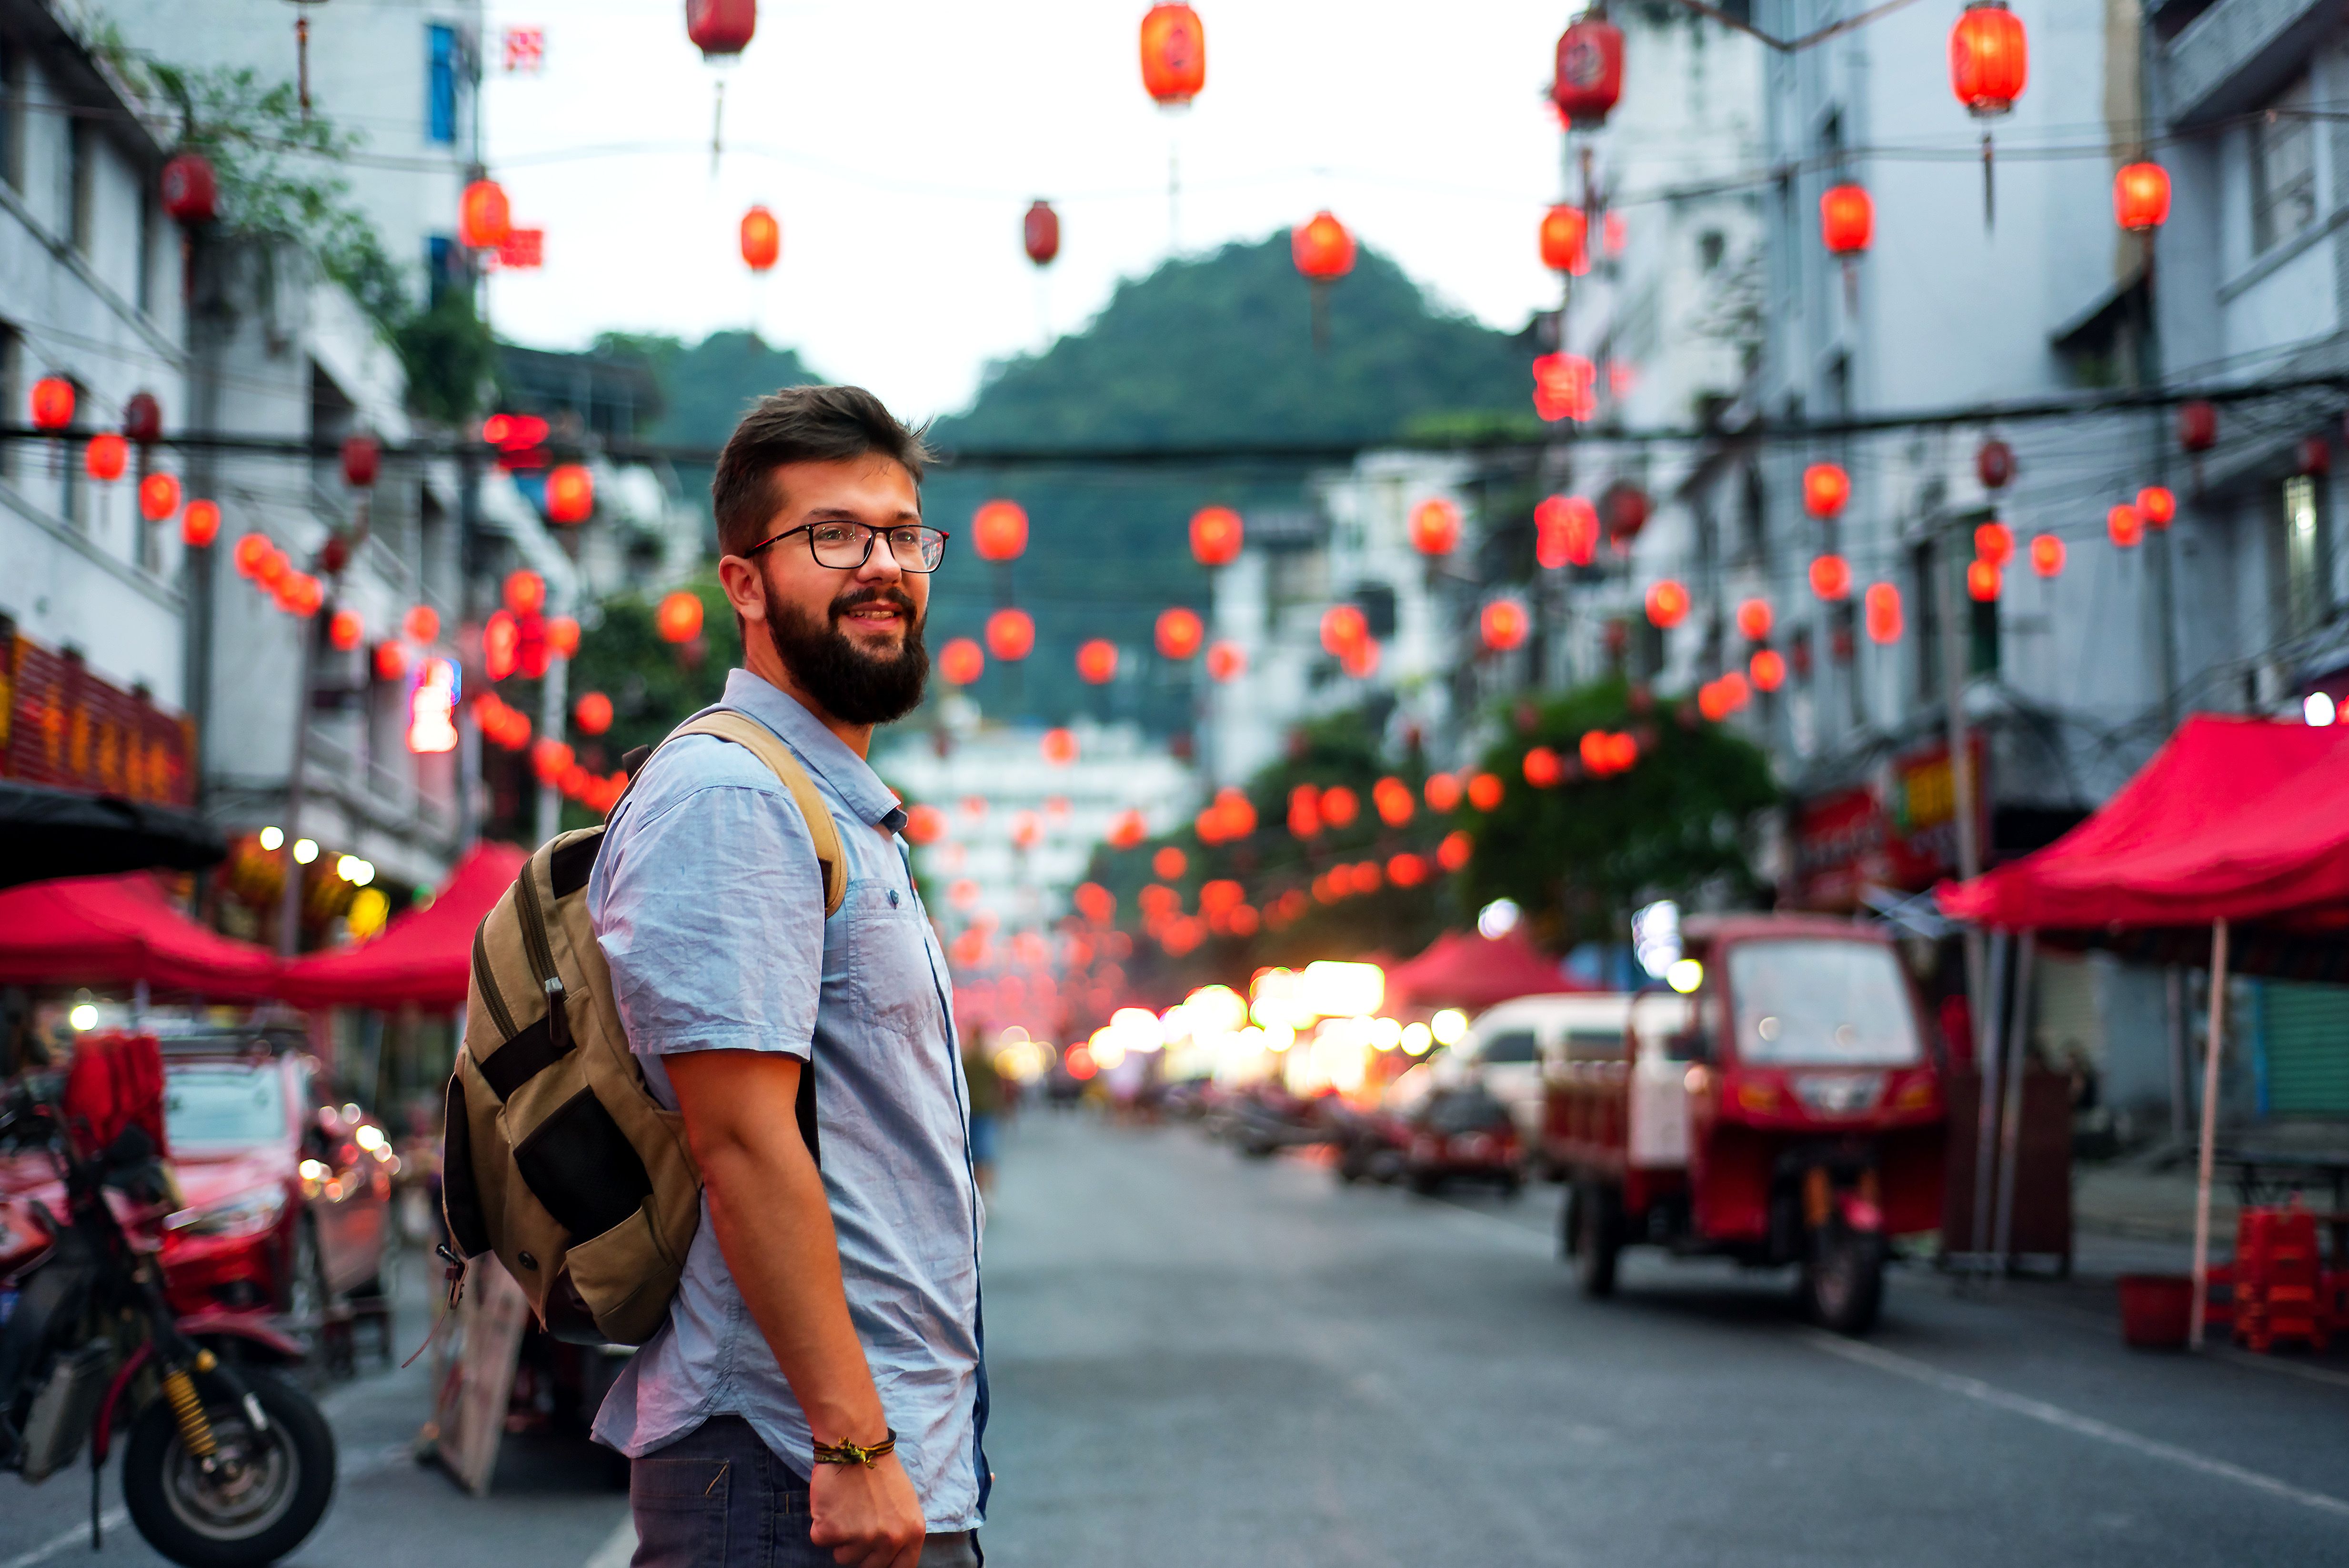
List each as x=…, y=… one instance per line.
x=851, y=639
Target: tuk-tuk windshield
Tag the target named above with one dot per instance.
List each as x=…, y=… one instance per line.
x=1814, y=1003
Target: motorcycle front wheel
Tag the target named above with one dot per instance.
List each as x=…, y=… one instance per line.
x=264, y=1493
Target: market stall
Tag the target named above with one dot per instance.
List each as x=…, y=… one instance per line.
x=423, y=957
x=1472, y=972
x=119, y=932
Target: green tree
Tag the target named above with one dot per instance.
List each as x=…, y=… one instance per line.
x=654, y=685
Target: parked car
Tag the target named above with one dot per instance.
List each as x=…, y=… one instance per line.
x=287, y=1193
x=1464, y=1134
x=1516, y=1048
x=1371, y=1135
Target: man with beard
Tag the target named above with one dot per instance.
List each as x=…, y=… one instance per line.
x=817, y=1395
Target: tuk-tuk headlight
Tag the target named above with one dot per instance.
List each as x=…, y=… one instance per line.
x=246, y=1213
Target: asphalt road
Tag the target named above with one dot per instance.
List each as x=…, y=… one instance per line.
x=1203, y=1360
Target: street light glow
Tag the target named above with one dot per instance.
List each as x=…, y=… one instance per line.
x=1449, y=1027
x=270, y=838
x=305, y=850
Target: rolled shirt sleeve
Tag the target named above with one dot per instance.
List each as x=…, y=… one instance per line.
x=704, y=879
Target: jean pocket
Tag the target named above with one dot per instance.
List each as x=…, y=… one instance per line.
x=679, y=1507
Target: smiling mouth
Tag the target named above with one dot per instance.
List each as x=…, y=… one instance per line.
x=879, y=613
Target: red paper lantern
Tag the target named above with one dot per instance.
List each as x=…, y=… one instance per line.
x=524, y=592
x=1846, y=219
x=106, y=458
x=679, y=617
x=53, y=404
x=1059, y=747
x=570, y=493
x=1989, y=59
x=1589, y=79
x=346, y=630
x=1565, y=241
x=562, y=636
x=1626, y=507
x=1880, y=607
x=2124, y=526
x=1226, y=661
x=2197, y=425
x=1982, y=581
x=1755, y=618
x=1097, y=661
x=158, y=496
x=190, y=189
x=592, y=712
x=548, y=759
x=1768, y=668
x=1434, y=527
x=1566, y=532
x=762, y=239
x=142, y=419
x=2156, y=504
x=2047, y=555
x=720, y=28
x=1994, y=543
x=1010, y=635
x=272, y=566
x=1825, y=488
x=1831, y=578
x=1733, y=690
x=1668, y=603
x=1180, y=632
x=1994, y=464
x=1174, y=54
x=1216, y=535
x=200, y=524
x=1484, y=792
x=2316, y=456
x=999, y=531
x=390, y=660
x=2141, y=196
x=362, y=459
x=1503, y=625
x=1344, y=628
x=252, y=549
x=1321, y=248
x=1543, y=770
x=1713, y=701
x=484, y=218
x=960, y=662
x=1362, y=660
x=422, y=624
x=1039, y=233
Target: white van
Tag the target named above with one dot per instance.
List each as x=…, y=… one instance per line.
x=1514, y=1046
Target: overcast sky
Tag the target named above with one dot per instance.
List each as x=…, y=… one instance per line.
x=900, y=143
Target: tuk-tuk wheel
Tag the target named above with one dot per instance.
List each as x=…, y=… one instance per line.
x=1842, y=1285
x=1594, y=1237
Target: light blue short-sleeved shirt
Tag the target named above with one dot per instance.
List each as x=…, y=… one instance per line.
x=709, y=904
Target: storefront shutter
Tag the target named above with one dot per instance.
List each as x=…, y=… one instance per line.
x=2304, y=1047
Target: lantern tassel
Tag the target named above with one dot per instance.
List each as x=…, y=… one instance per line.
x=1850, y=290
x=717, y=126
x=1990, y=210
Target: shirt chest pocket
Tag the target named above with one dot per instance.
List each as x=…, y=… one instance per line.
x=889, y=983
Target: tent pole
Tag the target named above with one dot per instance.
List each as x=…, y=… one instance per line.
x=1986, y=1078
x=2011, y=1137
x=2211, y=1050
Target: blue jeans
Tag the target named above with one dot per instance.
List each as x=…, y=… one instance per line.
x=719, y=1498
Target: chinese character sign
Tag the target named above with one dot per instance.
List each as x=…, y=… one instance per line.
x=522, y=248
x=63, y=727
x=525, y=51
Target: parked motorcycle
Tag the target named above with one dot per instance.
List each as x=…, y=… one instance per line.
x=227, y=1463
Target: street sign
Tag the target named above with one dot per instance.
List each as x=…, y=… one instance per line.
x=525, y=51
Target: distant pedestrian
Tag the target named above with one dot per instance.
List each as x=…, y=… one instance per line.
x=817, y=1395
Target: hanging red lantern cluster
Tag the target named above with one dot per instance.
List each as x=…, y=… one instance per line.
x=2157, y=504
x=1216, y=535
x=570, y=493
x=1543, y=768
x=720, y=28
x=1322, y=248
x=1434, y=527
x=484, y=218
x=346, y=630
x=592, y=712
x=2197, y=425
x=142, y=419
x=2124, y=528
x=1880, y=609
x=1226, y=661
x=1226, y=819
x=1983, y=582
x=1589, y=79
x=1503, y=625
x=960, y=662
x=1989, y=59
x=1039, y=233
x=1566, y=532
x=1667, y=603
x=999, y=531
x=1565, y=387
x=1180, y=632
x=1174, y=54
x=524, y=592
x=422, y=624
x=1626, y=507
x=1718, y=699
x=2047, y=555
x=1010, y=635
x=190, y=190
x=1392, y=799
x=1994, y=543
x=1831, y=578
x=2141, y=197
x=260, y=562
x=52, y=403
x=502, y=723
x=1097, y=661
x=762, y=239
x=1344, y=630
x=1827, y=487
x=1565, y=241
x=1607, y=752
x=1846, y=220
x=200, y=525
x=678, y=617
x=1994, y=464
x=1768, y=668
x=106, y=458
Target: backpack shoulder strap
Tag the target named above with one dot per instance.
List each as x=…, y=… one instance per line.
x=763, y=743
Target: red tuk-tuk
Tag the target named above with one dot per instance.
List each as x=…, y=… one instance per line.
x=1787, y=1109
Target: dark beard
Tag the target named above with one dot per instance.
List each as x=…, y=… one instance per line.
x=851, y=685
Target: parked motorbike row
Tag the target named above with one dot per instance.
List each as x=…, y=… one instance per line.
x=1780, y=1103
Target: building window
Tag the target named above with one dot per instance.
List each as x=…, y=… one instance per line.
x=1711, y=246
x=2284, y=174
x=81, y=156
x=441, y=84
x=1983, y=645
x=147, y=227
x=2307, y=598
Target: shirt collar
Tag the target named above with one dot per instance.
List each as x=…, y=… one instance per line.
x=851, y=778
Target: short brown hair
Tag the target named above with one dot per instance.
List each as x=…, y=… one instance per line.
x=801, y=424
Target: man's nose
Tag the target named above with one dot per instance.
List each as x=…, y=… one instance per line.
x=880, y=563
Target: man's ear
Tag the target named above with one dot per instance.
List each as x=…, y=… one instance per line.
x=745, y=587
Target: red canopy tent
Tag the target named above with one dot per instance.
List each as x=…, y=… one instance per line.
x=1461, y=968
x=120, y=931
x=2234, y=820
x=424, y=957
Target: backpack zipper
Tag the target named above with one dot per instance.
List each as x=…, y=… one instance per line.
x=499, y=1014
x=540, y=953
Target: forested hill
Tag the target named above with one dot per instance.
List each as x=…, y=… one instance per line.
x=1205, y=350
x=1220, y=347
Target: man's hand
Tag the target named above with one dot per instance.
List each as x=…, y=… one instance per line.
x=869, y=1516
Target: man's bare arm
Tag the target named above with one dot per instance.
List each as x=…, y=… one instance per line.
x=773, y=1222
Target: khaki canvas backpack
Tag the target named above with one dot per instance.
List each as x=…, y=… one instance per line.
x=555, y=1156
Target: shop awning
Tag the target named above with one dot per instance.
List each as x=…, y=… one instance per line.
x=115, y=931
x=46, y=833
x=424, y=958
x=2235, y=819
x=1463, y=970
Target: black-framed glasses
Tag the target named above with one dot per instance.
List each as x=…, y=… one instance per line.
x=845, y=546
